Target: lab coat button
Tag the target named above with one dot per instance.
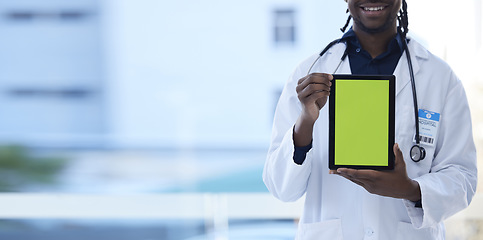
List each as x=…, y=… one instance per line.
x=369, y=232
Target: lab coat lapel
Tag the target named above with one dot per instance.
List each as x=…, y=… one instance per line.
x=345, y=67
x=334, y=55
x=403, y=77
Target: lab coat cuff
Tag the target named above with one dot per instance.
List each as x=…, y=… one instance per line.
x=288, y=147
x=416, y=210
x=415, y=213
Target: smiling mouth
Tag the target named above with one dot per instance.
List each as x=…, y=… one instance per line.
x=373, y=9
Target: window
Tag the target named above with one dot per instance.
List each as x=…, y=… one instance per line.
x=284, y=26
x=28, y=15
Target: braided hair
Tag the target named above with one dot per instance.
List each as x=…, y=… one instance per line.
x=402, y=20
x=347, y=22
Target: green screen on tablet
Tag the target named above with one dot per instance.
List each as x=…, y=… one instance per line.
x=361, y=122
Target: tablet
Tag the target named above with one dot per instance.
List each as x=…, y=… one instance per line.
x=361, y=122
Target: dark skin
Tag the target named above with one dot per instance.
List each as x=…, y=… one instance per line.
x=375, y=26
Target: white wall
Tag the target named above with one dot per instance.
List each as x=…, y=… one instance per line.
x=449, y=30
x=203, y=74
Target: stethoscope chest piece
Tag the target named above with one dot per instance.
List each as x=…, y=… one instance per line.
x=417, y=153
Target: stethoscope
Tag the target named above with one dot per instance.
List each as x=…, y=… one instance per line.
x=417, y=152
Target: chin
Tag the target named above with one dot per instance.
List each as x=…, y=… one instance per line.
x=374, y=28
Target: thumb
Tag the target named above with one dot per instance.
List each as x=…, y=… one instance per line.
x=399, y=155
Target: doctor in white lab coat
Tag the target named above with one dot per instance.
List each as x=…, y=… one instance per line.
x=364, y=204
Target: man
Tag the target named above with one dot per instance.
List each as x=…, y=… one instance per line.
x=409, y=202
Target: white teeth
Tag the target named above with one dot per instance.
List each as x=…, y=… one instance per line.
x=373, y=8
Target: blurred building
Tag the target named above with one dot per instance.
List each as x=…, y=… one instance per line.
x=151, y=74
x=51, y=73
x=117, y=74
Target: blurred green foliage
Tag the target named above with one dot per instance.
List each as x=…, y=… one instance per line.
x=20, y=169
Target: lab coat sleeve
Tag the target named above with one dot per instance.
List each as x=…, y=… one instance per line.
x=451, y=183
x=285, y=179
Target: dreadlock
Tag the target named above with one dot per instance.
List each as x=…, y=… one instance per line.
x=347, y=22
x=402, y=20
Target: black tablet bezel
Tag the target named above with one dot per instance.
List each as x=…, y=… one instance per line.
x=392, y=106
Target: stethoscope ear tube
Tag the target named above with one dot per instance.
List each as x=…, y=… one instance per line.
x=417, y=152
x=323, y=52
x=346, y=52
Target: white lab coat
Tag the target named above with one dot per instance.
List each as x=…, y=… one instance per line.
x=336, y=208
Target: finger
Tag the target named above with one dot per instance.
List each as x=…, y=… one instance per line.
x=314, y=84
x=319, y=94
x=323, y=75
x=318, y=90
x=302, y=79
x=322, y=78
x=356, y=181
x=358, y=174
x=317, y=87
x=313, y=97
x=311, y=86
